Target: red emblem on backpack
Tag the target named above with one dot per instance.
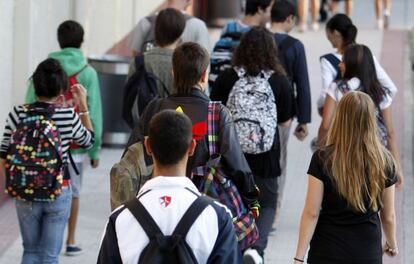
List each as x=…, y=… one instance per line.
x=165, y=201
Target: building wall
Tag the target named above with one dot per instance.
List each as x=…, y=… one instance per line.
x=28, y=35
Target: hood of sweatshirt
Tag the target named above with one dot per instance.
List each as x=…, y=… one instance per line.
x=71, y=59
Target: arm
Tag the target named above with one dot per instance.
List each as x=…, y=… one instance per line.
x=384, y=79
x=328, y=113
x=109, y=251
x=310, y=215
x=388, y=221
x=225, y=249
x=234, y=160
x=138, y=36
x=202, y=36
x=392, y=142
x=95, y=112
x=301, y=79
x=328, y=76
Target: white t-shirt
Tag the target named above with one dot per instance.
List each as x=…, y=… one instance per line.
x=195, y=31
x=329, y=73
x=353, y=85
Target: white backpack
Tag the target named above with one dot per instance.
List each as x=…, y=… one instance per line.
x=252, y=104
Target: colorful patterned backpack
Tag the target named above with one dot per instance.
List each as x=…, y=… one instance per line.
x=34, y=164
x=212, y=181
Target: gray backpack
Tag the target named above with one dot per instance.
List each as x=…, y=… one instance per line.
x=253, y=106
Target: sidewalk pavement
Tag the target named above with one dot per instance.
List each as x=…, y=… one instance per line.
x=95, y=208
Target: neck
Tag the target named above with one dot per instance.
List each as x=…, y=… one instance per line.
x=251, y=20
x=170, y=171
x=47, y=100
x=171, y=46
x=175, y=5
x=278, y=28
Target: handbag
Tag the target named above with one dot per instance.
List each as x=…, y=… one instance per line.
x=212, y=181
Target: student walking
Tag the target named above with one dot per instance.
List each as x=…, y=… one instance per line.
x=169, y=208
x=350, y=191
x=358, y=74
x=169, y=26
x=258, y=94
x=293, y=57
x=36, y=173
x=341, y=32
x=143, y=35
x=383, y=13
x=70, y=37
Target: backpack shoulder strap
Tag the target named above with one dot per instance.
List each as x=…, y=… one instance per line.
x=332, y=59
x=139, y=62
x=285, y=44
x=192, y=213
x=213, y=124
x=78, y=72
x=144, y=218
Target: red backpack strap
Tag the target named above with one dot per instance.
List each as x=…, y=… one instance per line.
x=213, y=121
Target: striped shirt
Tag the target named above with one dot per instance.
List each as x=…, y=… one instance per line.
x=66, y=120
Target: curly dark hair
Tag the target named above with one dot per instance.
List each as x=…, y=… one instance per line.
x=258, y=51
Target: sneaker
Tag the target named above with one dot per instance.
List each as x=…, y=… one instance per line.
x=251, y=256
x=272, y=231
x=73, y=250
x=380, y=24
x=315, y=26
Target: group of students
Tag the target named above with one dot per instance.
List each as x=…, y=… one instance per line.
x=382, y=11
x=196, y=143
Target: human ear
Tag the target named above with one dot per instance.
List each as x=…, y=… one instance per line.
x=147, y=146
x=192, y=147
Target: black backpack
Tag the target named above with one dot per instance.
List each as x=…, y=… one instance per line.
x=140, y=89
x=334, y=61
x=167, y=249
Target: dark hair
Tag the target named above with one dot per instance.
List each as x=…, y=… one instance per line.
x=189, y=60
x=257, y=51
x=70, y=34
x=49, y=79
x=343, y=24
x=253, y=6
x=281, y=10
x=169, y=26
x=359, y=63
x=169, y=135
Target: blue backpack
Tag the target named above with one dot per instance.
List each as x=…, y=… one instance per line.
x=222, y=54
x=140, y=89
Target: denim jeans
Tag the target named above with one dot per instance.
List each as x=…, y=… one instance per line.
x=42, y=225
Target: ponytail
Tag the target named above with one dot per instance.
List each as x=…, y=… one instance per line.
x=343, y=24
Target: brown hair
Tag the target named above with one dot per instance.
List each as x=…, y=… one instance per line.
x=357, y=161
x=169, y=26
x=190, y=61
x=257, y=52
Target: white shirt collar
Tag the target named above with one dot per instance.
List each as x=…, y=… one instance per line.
x=169, y=182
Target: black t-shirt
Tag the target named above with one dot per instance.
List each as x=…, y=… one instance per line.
x=343, y=235
x=264, y=164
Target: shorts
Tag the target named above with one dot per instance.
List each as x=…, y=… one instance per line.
x=76, y=179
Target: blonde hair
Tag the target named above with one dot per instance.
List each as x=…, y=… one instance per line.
x=357, y=161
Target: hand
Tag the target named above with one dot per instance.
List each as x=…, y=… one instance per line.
x=79, y=95
x=390, y=251
x=94, y=163
x=301, y=131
